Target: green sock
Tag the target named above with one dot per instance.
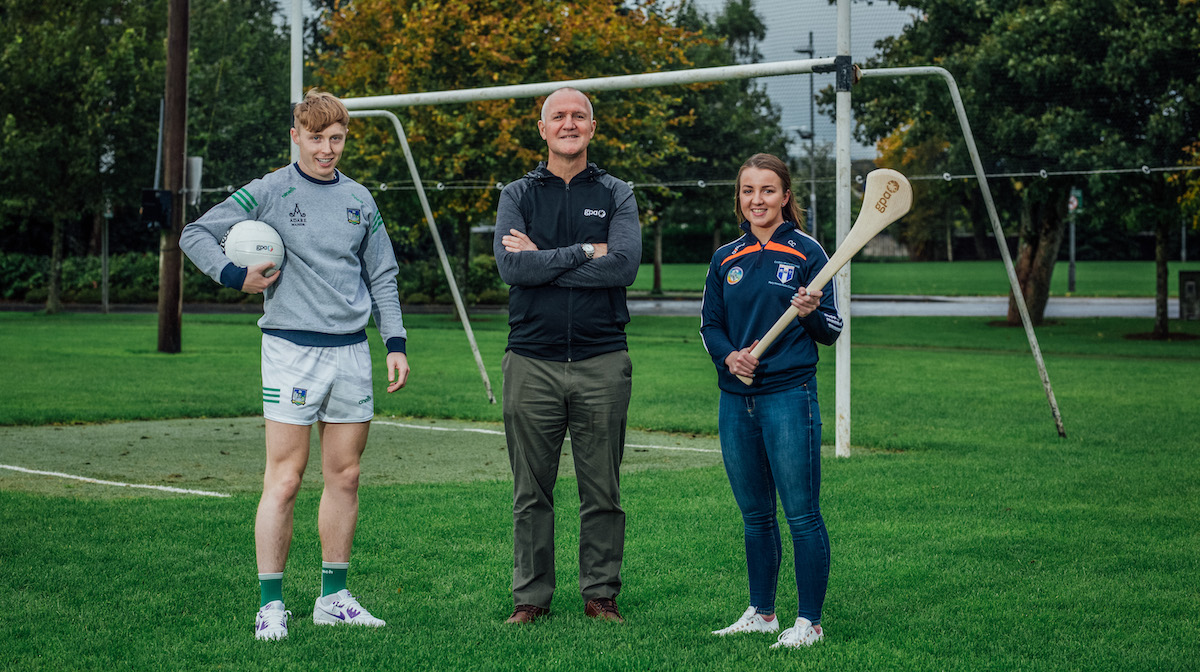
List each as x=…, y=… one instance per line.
x=333, y=577
x=270, y=588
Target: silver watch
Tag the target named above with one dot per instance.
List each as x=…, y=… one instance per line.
x=589, y=250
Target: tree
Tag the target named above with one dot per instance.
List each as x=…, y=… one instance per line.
x=238, y=113
x=69, y=100
x=1065, y=85
x=379, y=47
x=80, y=87
x=727, y=122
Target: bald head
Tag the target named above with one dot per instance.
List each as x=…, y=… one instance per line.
x=566, y=91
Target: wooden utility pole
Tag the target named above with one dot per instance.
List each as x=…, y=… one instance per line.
x=170, y=265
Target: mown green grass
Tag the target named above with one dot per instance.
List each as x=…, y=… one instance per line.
x=87, y=367
x=966, y=534
x=960, y=278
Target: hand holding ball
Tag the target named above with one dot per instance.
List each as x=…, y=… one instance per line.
x=251, y=242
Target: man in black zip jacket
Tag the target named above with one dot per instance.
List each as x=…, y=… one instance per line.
x=568, y=243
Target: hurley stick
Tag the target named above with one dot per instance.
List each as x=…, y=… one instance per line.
x=886, y=198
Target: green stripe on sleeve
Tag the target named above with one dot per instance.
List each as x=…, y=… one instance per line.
x=245, y=199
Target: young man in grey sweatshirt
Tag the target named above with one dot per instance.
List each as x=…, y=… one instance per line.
x=338, y=271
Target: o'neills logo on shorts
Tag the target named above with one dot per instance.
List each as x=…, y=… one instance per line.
x=588, y=212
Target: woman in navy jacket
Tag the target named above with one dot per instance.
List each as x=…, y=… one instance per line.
x=771, y=429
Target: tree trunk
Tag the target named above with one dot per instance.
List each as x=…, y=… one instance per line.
x=657, y=289
x=54, y=285
x=95, y=241
x=1046, y=222
x=1161, y=323
x=980, y=225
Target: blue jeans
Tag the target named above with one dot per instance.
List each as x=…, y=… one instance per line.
x=772, y=443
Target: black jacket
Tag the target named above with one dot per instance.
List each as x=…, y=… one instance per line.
x=563, y=306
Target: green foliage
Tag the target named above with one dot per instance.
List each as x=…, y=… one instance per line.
x=238, y=117
x=726, y=123
x=133, y=278
x=1068, y=85
x=79, y=110
x=69, y=105
x=379, y=47
x=424, y=281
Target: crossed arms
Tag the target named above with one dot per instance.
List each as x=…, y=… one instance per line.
x=522, y=264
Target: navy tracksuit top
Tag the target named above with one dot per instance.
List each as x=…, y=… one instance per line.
x=749, y=285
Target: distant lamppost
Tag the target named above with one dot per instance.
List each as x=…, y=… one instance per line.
x=809, y=133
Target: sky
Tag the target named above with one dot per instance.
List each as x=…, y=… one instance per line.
x=788, y=23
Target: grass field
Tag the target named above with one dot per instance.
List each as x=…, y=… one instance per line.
x=966, y=535
x=960, y=278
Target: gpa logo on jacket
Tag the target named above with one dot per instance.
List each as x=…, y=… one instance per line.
x=735, y=275
x=354, y=216
x=299, y=396
x=588, y=212
x=785, y=273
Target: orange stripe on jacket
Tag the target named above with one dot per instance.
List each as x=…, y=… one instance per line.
x=749, y=249
x=776, y=247
x=771, y=245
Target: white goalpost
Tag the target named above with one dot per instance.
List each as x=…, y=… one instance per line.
x=846, y=74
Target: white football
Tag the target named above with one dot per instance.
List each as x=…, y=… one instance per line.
x=251, y=242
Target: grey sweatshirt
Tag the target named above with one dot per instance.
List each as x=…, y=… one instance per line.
x=338, y=268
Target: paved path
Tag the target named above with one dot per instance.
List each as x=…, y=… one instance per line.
x=966, y=306
x=868, y=305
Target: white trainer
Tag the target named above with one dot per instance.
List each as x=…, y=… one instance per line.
x=751, y=621
x=801, y=634
x=342, y=608
x=271, y=622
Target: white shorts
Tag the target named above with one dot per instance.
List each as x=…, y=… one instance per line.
x=304, y=384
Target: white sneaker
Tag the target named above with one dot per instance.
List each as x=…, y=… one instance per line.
x=342, y=608
x=801, y=634
x=271, y=622
x=751, y=621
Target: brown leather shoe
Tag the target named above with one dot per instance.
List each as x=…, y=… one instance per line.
x=604, y=608
x=527, y=613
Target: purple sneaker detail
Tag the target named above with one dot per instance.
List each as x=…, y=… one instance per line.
x=343, y=608
x=271, y=622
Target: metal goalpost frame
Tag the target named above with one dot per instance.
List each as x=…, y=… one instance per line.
x=296, y=85
x=367, y=107
x=969, y=138
x=845, y=81
x=846, y=76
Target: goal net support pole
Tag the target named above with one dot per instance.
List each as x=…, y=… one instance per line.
x=437, y=241
x=969, y=139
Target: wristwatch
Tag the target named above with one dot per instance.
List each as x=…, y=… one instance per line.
x=589, y=250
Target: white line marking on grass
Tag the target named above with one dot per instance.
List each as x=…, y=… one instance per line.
x=164, y=488
x=437, y=429
x=499, y=433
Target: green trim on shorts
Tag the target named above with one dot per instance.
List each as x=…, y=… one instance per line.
x=270, y=395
